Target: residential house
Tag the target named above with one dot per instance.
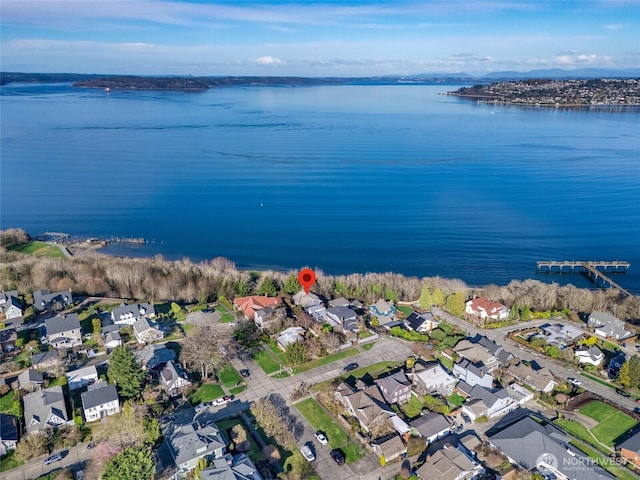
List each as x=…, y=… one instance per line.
x=289, y=336
x=45, y=409
x=615, y=364
x=431, y=426
x=486, y=309
x=250, y=305
x=366, y=405
x=128, y=314
x=306, y=300
x=450, y=463
x=8, y=339
x=270, y=318
x=204, y=318
x=154, y=356
x=173, y=379
x=111, y=337
x=630, y=449
x=342, y=317
x=390, y=447
x=383, y=309
x=485, y=402
x=317, y=312
x=421, y=322
x=608, y=326
x=48, y=361
x=395, y=388
x=63, y=331
x=590, y=356
x=43, y=300
x=231, y=467
x=476, y=353
x=30, y=380
x=540, y=380
x=561, y=335
x=431, y=378
x=519, y=393
x=11, y=306
x=339, y=302
x=188, y=443
x=542, y=447
x=473, y=373
x=147, y=331
x=99, y=401
x=8, y=433
x=494, y=349
x=82, y=377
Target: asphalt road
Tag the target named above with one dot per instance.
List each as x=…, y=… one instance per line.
x=74, y=457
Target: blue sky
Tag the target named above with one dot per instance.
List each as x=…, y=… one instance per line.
x=321, y=38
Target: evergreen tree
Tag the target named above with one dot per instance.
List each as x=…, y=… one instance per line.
x=455, y=303
x=426, y=301
x=514, y=312
x=525, y=313
x=291, y=284
x=634, y=371
x=125, y=372
x=267, y=287
x=438, y=297
x=130, y=463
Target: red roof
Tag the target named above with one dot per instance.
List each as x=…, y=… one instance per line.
x=483, y=303
x=250, y=305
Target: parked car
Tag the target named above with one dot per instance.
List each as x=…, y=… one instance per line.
x=322, y=438
x=90, y=445
x=245, y=373
x=199, y=408
x=619, y=391
x=338, y=456
x=53, y=458
x=466, y=418
x=350, y=367
x=307, y=452
x=574, y=381
x=227, y=398
x=167, y=419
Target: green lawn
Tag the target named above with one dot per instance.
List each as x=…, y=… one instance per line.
x=237, y=390
x=580, y=431
x=6, y=401
x=39, y=249
x=326, y=360
x=612, y=423
x=368, y=346
x=406, y=310
x=617, y=470
x=599, y=380
x=413, y=407
x=321, y=420
x=206, y=393
x=266, y=361
x=9, y=461
x=227, y=317
x=455, y=400
x=229, y=376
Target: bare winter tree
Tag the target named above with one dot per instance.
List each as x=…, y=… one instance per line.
x=201, y=351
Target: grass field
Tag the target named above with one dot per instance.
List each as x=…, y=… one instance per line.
x=405, y=310
x=619, y=471
x=39, y=249
x=267, y=362
x=6, y=401
x=321, y=420
x=326, y=360
x=612, y=423
x=413, y=407
x=227, y=317
x=206, y=393
x=229, y=376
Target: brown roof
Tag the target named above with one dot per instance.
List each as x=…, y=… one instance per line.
x=483, y=303
x=249, y=305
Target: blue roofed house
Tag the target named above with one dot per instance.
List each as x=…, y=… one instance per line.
x=189, y=442
x=615, y=363
x=43, y=300
x=382, y=308
x=99, y=401
x=63, y=331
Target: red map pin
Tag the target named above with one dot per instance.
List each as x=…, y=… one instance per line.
x=307, y=278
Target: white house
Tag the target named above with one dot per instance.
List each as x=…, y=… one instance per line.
x=483, y=401
x=128, y=314
x=486, y=309
x=146, y=331
x=63, y=331
x=431, y=426
x=173, y=379
x=473, y=373
x=590, y=356
x=82, y=377
x=430, y=377
x=45, y=409
x=289, y=336
x=608, y=326
x=10, y=305
x=99, y=401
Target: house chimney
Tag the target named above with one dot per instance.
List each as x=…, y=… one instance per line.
x=428, y=459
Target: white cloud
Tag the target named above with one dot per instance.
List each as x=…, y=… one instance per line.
x=613, y=26
x=269, y=60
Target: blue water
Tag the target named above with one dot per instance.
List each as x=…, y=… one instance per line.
x=342, y=178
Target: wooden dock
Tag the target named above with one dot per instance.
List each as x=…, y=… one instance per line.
x=595, y=270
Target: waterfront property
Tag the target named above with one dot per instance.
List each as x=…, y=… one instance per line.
x=608, y=326
x=486, y=309
x=43, y=300
x=128, y=314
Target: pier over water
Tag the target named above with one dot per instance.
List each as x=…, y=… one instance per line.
x=595, y=270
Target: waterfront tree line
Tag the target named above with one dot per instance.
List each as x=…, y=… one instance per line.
x=158, y=280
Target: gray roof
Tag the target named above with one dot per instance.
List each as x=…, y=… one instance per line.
x=59, y=323
x=154, y=355
x=632, y=443
x=612, y=327
x=238, y=467
x=98, y=394
x=45, y=357
x=112, y=337
x=111, y=328
x=391, y=383
x=526, y=441
x=171, y=373
x=342, y=313
x=40, y=405
x=488, y=397
x=8, y=294
x=42, y=298
x=430, y=424
x=415, y=320
x=339, y=302
x=203, y=318
x=190, y=441
x=135, y=309
x=478, y=369
x=492, y=347
x=141, y=325
x=8, y=427
x=30, y=375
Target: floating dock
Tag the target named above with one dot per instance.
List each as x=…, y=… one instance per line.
x=595, y=270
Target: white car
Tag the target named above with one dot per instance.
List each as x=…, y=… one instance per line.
x=575, y=381
x=322, y=438
x=307, y=453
